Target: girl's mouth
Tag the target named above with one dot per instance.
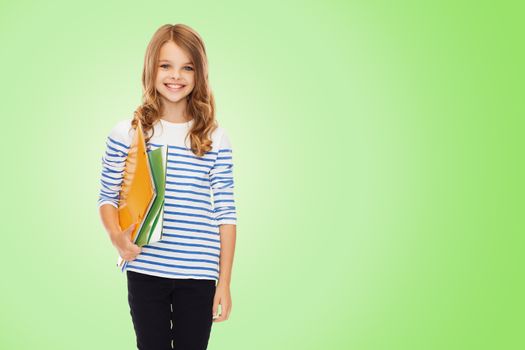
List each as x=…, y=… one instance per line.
x=174, y=87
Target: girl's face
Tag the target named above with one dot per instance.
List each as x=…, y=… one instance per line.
x=174, y=69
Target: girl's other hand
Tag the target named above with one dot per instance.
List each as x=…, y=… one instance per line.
x=125, y=246
x=223, y=298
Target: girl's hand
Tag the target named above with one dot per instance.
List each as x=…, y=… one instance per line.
x=222, y=297
x=126, y=248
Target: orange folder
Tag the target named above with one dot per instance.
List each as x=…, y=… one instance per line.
x=138, y=187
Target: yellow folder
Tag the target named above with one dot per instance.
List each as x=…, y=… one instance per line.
x=138, y=187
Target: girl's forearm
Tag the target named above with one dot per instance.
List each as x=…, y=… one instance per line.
x=228, y=234
x=109, y=217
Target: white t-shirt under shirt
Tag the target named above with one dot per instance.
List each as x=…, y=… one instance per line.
x=199, y=197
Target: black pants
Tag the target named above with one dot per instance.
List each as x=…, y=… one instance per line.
x=166, y=309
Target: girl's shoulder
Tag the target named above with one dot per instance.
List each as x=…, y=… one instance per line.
x=122, y=131
x=220, y=139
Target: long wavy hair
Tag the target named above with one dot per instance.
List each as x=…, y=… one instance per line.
x=200, y=102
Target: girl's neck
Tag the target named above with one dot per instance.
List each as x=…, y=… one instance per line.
x=175, y=112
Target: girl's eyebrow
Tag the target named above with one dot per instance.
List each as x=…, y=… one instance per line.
x=170, y=61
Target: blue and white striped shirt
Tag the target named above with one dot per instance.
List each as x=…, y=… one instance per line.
x=199, y=197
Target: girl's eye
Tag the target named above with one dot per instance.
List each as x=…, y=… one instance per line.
x=167, y=65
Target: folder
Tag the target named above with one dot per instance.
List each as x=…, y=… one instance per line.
x=142, y=194
x=153, y=220
x=159, y=171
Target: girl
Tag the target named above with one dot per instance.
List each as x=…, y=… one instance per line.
x=175, y=285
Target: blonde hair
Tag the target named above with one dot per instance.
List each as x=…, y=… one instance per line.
x=200, y=102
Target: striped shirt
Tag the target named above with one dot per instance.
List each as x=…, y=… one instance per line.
x=198, y=198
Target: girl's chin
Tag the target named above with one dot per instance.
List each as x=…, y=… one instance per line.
x=173, y=98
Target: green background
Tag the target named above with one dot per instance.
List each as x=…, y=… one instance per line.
x=378, y=151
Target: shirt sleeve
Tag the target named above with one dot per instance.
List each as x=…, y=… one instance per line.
x=113, y=165
x=222, y=184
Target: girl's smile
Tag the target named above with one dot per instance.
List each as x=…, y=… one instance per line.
x=174, y=87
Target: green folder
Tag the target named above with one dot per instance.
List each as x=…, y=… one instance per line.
x=156, y=231
x=154, y=218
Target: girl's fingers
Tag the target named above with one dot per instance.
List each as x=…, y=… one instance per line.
x=215, y=311
x=215, y=308
x=223, y=315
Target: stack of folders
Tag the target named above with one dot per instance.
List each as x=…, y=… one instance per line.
x=142, y=193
